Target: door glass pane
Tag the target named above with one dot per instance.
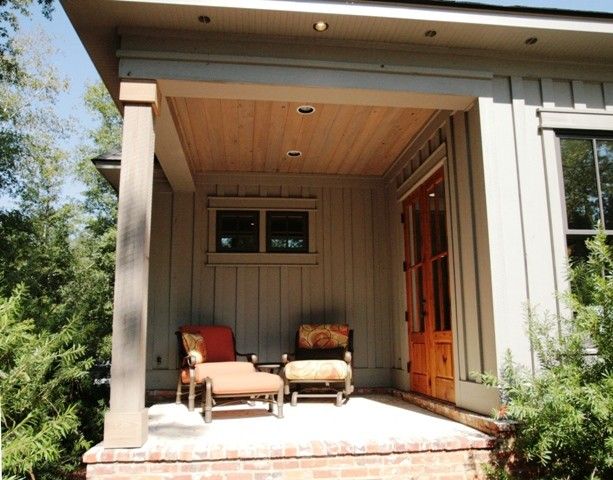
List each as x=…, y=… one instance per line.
x=415, y=233
x=440, y=283
x=436, y=204
x=604, y=148
x=582, y=207
x=417, y=300
x=446, y=323
x=436, y=289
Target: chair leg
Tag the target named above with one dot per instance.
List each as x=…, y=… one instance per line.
x=280, y=402
x=192, y=390
x=179, y=390
x=348, y=386
x=207, y=402
x=294, y=400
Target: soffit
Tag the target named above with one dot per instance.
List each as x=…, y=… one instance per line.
x=255, y=136
x=559, y=37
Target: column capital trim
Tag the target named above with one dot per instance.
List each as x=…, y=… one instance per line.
x=141, y=92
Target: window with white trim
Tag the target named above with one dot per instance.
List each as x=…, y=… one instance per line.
x=262, y=231
x=587, y=165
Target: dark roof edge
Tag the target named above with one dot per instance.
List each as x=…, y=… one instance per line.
x=463, y=5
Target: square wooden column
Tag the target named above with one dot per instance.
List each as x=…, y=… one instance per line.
x=126, y=424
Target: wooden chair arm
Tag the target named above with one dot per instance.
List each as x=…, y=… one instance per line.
x=348, y=357
x=286, y=358
x=251, y=357
x=190, y=361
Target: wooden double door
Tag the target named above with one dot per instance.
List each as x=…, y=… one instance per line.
x=427, y=281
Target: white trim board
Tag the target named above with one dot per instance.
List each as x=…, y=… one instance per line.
x=446, y=14
x=281, y=179
x=576, y=120
x=263, y=203
x=262, y=259
x=432, y=163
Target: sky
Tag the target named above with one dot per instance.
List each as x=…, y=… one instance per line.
x=73, y=62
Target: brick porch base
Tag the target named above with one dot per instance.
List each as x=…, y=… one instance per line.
x=440, y=462
x=379, y=437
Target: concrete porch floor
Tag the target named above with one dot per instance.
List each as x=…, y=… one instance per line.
x=315, y=437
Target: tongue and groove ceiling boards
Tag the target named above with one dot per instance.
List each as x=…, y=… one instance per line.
x=255, y=136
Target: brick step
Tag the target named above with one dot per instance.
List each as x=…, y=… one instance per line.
x=436, y=465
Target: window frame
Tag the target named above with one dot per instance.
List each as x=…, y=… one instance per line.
x=218, y=234
x=305, y=234
x=310, y=205
x=593, y=135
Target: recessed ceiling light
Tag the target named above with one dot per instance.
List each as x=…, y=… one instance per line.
x=430, y=33
x=204, y=19
x=531, y=41
x=294, y=153
x=320, y=26
x=305, y=109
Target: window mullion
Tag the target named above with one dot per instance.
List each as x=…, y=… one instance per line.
x=598, y=187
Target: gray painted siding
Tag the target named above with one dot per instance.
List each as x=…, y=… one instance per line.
x=506, y=234
x=265, y=304
x=471, y=300
x=524, y=199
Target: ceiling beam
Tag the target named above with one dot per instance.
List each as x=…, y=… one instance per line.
x=169, y=152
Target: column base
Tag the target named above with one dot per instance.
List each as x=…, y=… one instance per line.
x=125, y=429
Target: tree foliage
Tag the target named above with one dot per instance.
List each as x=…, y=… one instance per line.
x=40, y=376
x=564, y=413
x=14, y=76
x=56, y=264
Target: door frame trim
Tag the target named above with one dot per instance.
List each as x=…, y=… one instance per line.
x=437, y=161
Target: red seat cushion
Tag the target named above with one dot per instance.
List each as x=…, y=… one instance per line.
x=219, y=341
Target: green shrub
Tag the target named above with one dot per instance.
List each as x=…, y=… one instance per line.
x=40, y=377
x=564, y=412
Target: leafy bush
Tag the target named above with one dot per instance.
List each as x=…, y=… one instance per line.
x=564, y=412
x=40, y=377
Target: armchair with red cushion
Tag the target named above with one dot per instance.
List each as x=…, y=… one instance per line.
x=208, y=358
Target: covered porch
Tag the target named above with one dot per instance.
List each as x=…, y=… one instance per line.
x=372, y=436
x=221, y=159
x=345, y=137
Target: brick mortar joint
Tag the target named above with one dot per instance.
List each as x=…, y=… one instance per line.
x=283, y=458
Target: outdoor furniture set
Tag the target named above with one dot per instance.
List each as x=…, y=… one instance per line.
x=208, y=363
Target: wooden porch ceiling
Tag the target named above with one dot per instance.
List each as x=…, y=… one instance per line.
x=255, y=136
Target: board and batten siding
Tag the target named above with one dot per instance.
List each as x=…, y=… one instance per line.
x=506, y=225
x=265, y=304
x=450, y=142
x=524, y=196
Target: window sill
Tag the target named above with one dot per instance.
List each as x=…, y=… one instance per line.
x=262, y=259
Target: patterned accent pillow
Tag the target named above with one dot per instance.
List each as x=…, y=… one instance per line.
x=194, y=346
x=323, y=336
